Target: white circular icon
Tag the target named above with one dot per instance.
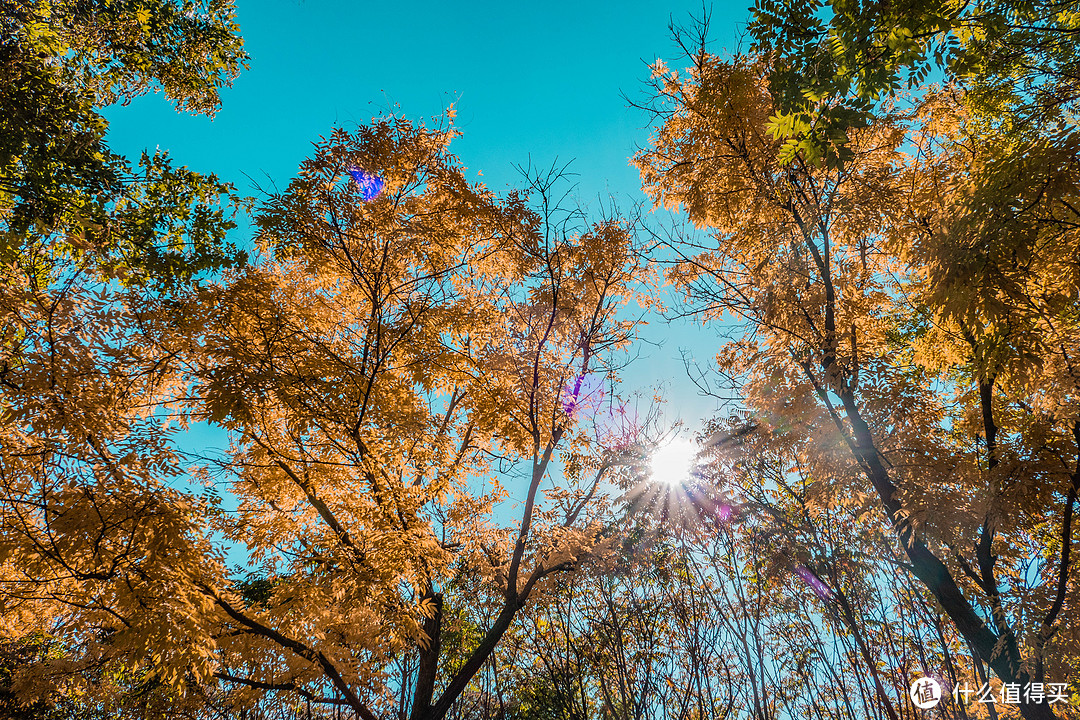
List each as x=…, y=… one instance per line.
x=925, y=693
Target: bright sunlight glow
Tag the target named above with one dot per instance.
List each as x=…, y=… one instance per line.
x=671, y=463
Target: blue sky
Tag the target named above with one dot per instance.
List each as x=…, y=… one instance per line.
x=529, y=81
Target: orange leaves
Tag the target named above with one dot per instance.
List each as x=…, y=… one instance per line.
x=910, y=319
x=96, y=546
x=384, y=359
x=392, y=364
x=780, y=228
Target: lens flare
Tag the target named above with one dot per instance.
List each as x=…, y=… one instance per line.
x=672, y=463
x=676, y=492
x=583, y=393
x=820, y=589
x=370, y=185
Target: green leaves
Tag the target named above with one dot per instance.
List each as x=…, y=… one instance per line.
x=1015, y=59
x=60, y=186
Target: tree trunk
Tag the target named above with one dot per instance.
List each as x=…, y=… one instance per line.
x=429, y=660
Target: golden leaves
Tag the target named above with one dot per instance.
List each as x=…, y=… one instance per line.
x=385, y=372
x=909, y=319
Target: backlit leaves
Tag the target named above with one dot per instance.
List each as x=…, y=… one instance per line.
x=911, y=322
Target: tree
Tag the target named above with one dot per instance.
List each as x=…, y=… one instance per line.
x=407, y=346
x=834, y=63
x=758, y=601
x=63, y=193
x=96, y=549
x=392, y=371
x=910, y=329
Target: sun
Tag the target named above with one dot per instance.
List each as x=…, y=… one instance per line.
x=672, y=462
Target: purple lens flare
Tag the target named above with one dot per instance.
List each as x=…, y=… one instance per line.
x=584, y=392
x=820, y=589
x=370, y=184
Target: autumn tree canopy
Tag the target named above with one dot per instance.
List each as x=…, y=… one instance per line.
x=391, y=372
x=415, y=376
x=911, y=335
x=92, y=246
x=436, y=500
